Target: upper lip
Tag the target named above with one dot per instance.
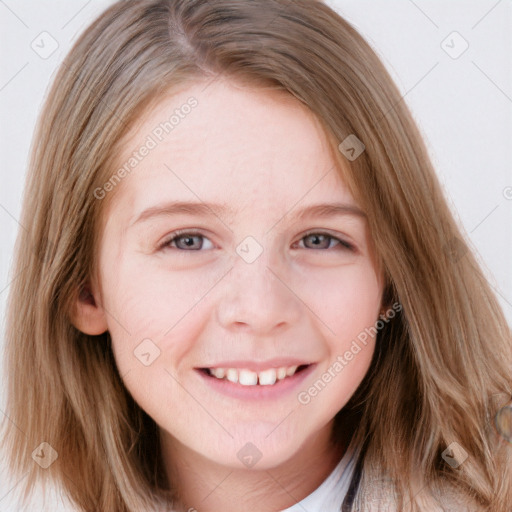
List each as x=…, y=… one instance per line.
x=257, y=366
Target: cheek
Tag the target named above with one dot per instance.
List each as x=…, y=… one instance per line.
x=355, y=322
x=346, y=299
x=153, y=319
x=153, y=304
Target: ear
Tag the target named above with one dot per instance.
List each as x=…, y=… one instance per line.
x=88, y=316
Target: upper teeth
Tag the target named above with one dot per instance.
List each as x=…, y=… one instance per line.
x=250, y=378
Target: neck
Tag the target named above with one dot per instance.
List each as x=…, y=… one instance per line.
x=209, y=486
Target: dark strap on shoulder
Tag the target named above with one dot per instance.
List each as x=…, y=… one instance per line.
x=346, y=506
x=352, y=490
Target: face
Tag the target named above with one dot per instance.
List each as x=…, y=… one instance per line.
x=259, y=276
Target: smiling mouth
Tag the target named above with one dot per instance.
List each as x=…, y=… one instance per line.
x=246, y=377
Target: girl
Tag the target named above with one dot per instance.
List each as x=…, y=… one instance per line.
x=240, y=285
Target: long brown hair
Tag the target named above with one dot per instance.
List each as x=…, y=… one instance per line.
x=441, y=368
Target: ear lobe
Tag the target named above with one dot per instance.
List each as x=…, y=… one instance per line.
x=87, y=315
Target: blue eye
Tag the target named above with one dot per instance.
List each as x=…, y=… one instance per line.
x=324, y=241
x=192, y=241
x=189, y=241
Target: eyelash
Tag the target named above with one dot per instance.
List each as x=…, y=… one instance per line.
x=342, y=243
x=181, y=232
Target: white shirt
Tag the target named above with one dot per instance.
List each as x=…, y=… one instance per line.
x=329, y=496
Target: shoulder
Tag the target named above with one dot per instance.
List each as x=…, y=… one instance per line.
x=445, y=498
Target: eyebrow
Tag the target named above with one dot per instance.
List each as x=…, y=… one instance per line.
x=330, y=210
x=217, y=209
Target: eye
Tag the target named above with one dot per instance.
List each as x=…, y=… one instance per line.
x=319, y=240
x=191, y=241
x=184, y=240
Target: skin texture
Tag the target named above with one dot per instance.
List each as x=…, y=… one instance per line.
x=262, y=153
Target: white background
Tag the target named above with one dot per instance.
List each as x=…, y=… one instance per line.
x=463, y=106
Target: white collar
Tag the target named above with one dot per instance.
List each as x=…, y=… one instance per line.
x=329, y=496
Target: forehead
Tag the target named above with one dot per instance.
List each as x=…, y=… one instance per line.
x=241, y=145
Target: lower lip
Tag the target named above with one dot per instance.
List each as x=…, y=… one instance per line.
x=257, y=392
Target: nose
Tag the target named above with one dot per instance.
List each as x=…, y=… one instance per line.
x=258, y=297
